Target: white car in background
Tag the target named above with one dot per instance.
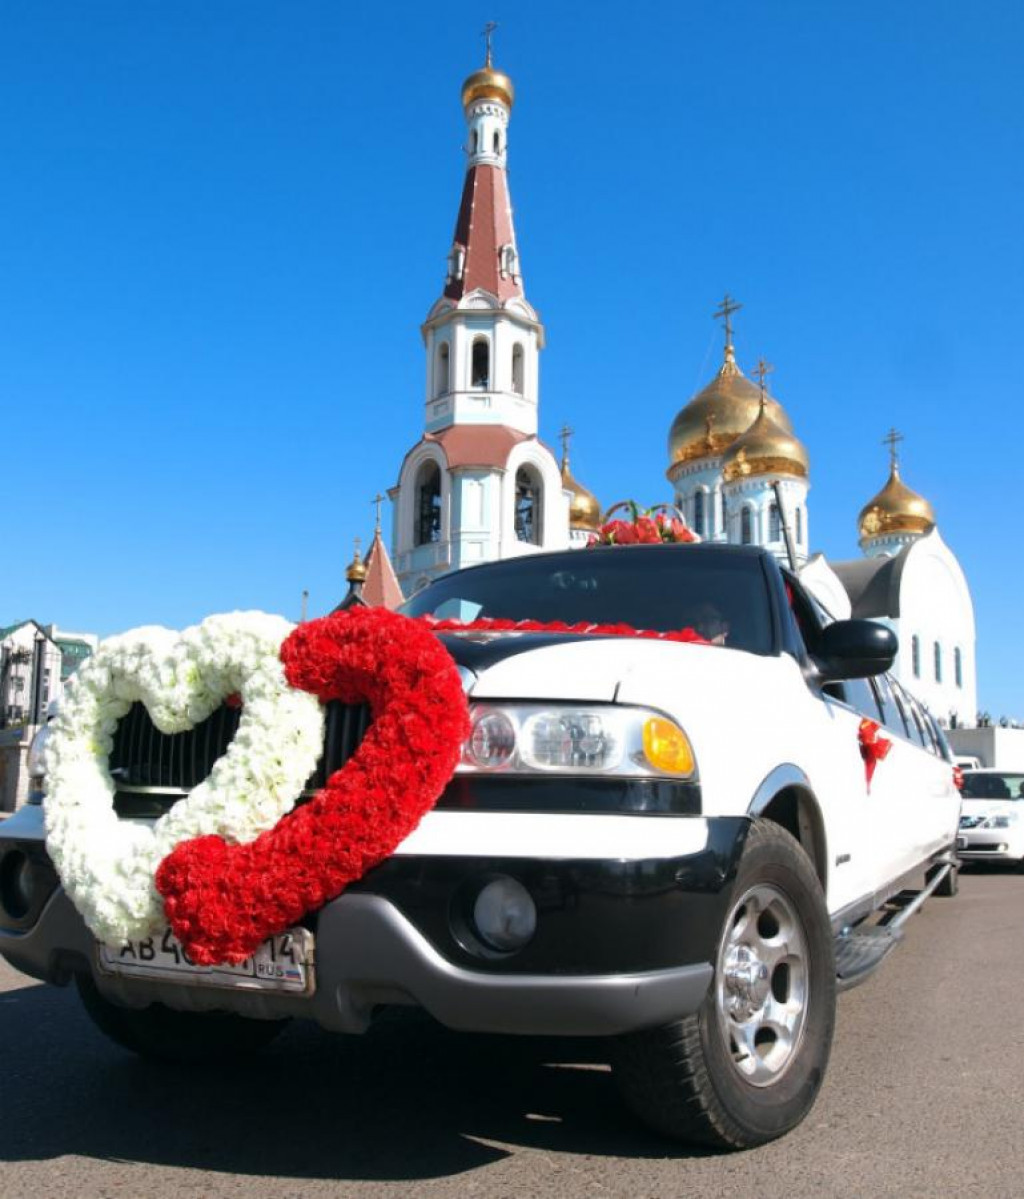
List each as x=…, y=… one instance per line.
x=992, y=816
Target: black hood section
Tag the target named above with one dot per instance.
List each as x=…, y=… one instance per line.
x=482, y=650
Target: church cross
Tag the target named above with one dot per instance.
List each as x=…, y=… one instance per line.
x=377, y=500
x=892, y=440
x=723, y=313
x=762, y=370
x=486, y=33
x=565, y=433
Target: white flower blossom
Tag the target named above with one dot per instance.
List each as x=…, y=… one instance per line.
x=108, y=865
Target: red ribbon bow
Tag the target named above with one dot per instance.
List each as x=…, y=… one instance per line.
x=873, y=747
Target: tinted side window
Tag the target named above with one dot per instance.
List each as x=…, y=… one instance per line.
x=892, y=717
x=859, y=694
x=807, y=619
x=926, y=727
x=910, y=716
x=939, y=737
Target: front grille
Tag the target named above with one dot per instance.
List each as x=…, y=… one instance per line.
x=144, y=758
x=344, y=730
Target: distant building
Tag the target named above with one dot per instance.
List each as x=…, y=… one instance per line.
x=35, y=662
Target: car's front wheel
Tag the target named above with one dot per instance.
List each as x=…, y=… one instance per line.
x=167, y=1035
x=748, y=1066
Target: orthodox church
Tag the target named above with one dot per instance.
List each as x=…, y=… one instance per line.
x=480, y=485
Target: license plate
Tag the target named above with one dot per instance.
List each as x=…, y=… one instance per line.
x=282, y=963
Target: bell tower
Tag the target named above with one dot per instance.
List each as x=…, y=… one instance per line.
x=479, y=485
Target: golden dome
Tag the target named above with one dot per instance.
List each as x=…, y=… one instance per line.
x=716, y=416
x=356, y=572
x=765, y=449
x=488, y=84
x=896, y=509
x=584, y=510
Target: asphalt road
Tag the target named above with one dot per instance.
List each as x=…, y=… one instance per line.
x=925, y=1096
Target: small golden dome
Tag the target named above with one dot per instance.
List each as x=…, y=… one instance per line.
x=584, y=510
x=488, y=84
x=896, y=509
x=356, y=572
x=716, y=416
x=765, y=449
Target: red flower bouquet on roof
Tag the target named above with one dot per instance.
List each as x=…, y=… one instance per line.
x=651, y=526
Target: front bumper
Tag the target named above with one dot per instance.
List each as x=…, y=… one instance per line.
x=991, y=845
x=621, y=944
x=367, y=955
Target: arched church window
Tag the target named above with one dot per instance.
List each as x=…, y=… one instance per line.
x=443, y=370
x=528, y=500
x=938, y=662
x=517, y=369
x=481, y=363
x=497, y=142
x=799, y=526
x=725, y=520
x=698, y=513
x=774, y=523
x=915, y=655
x=472, y=143
x=746, y=526
x=428, y=505
x=958, y=667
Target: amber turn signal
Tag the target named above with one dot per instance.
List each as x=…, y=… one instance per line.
x=667, y=747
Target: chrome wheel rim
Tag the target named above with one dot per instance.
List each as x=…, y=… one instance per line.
x=762, y=985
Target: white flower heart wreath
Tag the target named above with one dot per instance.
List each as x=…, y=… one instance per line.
x=107, y=865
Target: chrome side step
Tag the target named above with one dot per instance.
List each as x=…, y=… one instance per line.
x=860, y=951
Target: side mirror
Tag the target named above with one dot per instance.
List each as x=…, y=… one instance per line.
x=855, y=649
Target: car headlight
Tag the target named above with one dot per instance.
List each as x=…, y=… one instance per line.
x=36, y=760
x=1002, y=821
x=576, y=739
x=36, y=765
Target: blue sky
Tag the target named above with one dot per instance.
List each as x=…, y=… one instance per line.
x=221, y=225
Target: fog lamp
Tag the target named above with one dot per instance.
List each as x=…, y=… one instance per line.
x=17, y=884
x=666, y=746
x=504, y=915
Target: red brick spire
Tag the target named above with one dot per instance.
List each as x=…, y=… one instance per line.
x=483, y=253
x=381, y=589
x=485, y=236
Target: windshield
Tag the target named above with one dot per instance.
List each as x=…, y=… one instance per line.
x=978, y=785
x=723, y=595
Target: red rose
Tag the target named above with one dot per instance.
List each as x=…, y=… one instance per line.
x=647, y=532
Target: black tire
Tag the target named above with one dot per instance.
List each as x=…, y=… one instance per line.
x=163, y=1034
x=692, y=1080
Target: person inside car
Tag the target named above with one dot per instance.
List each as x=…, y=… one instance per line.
x=707, y=620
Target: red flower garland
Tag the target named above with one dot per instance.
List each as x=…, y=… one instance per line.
x=873, y=747
x=223, y=900
x=498, y=624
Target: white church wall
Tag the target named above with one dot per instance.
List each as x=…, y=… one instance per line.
x=825, y=585
x=936, y=608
